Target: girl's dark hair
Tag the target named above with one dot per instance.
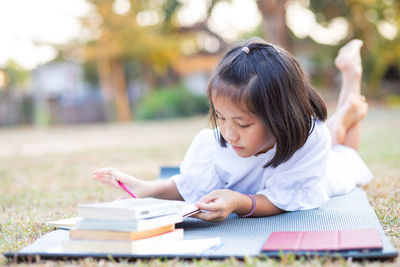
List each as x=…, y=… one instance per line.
x=271, y=84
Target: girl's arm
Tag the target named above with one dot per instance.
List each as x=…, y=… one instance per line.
x=220, y=203
x=165, y=189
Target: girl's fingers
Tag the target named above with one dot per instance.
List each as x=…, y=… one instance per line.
x=105, y=171
x=110, y=176
x=109, y=180
x=207, y=206
x=209, y=216
x=207, y=198
x=206, y=216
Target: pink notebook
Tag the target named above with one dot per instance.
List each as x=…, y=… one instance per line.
x=354, y=239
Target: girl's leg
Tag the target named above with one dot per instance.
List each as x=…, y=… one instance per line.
x=344, y=125
x=348, y=62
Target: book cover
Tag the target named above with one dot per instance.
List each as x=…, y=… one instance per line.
x=133, y=208
x=129, y=225
x=118, y=235
x=125, y=246
x=354, y=239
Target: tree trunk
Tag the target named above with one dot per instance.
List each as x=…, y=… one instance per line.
x=148, y=75
x=121, y=94
x=106, y=84
x=113, y=84
x=274, y=25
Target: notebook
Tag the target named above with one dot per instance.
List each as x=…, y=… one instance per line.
x=355, y=239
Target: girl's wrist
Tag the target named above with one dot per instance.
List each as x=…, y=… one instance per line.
x=253, y=207
x=246, y=205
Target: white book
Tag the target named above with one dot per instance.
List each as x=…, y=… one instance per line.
x=129, y=225
x=132, y=208
x=123, y=247
x=185, y=210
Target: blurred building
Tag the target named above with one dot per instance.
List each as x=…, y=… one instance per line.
x=60, y=95
x=196, y=70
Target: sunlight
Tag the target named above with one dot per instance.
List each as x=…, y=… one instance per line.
x=147, y=18
x=230, y=19
x=387, y=29
x=121, y=7
x=27, y=27
x=302, y=22
x=192, y=12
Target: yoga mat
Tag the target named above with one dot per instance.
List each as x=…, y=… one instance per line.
x=243, y=237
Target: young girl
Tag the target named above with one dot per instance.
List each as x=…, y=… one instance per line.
x=270, y=150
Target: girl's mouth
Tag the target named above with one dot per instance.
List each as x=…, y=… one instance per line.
x=237, y=148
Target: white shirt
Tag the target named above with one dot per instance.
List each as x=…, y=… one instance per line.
x=314, y=173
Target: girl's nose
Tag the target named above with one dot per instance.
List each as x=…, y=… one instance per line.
x=231, y=135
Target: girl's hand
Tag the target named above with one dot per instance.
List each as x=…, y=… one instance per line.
x=111, y=176
x=217, y=205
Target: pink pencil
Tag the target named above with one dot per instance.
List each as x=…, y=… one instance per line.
x=126, y=189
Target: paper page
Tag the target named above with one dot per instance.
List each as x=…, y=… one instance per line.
x=67, y=223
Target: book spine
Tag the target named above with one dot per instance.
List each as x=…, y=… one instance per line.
x=82, y=234
x=137, y=246
x=129, y=225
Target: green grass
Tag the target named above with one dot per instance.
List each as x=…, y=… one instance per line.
x=45, y=173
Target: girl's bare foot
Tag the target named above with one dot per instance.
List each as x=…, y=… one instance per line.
x=349, y=58
x=354, y=110
x=348, y=62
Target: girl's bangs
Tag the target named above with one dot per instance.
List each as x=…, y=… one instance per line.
x=238, y=96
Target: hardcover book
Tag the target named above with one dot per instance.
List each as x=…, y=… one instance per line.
x=355, y=239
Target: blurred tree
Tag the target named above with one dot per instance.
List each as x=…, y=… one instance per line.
x=15, y=75
x=274, y=25
x=377, y=23
x=128, y=30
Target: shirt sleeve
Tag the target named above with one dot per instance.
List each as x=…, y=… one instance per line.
x=198, y=176
x=299, y=183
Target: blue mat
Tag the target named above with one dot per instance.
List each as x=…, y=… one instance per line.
x=243, y=237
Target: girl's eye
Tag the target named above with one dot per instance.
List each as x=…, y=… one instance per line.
x=244, y=125
x=220, y=118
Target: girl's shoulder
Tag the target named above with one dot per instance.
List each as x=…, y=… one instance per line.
x=320, y=132
x=319, y=139
x=204, y=137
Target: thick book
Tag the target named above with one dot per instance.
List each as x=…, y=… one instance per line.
x=118, y=235
x=354, y=239
x=122, y=246
x=129, y=225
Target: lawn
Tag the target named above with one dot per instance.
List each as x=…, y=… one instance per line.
x=45, y=173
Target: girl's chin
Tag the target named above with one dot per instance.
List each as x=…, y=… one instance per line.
x=242, y=154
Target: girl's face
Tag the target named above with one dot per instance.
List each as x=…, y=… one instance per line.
x=242, y=130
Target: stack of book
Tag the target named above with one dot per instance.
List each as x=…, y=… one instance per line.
x=134, y=226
